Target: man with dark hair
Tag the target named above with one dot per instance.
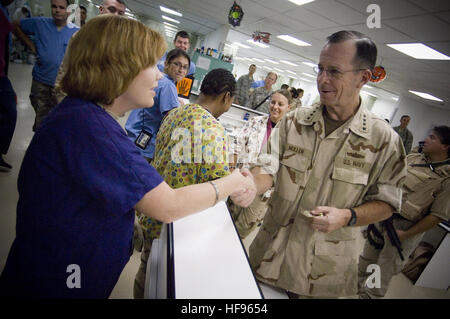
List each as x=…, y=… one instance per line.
x=425, y=203
x=405, y=134
x=340, y=166
x=116, y=7
x=259, y=99
x=51, y=37
x=83, y=14
x=284, y=86
x=181, y=41
x=243, y=86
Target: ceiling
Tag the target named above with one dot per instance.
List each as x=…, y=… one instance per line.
x=402, y=21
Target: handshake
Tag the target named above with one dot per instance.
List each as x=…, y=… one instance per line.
x=245, y=189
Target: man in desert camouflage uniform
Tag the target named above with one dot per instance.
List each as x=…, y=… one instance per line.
x=425, y=203
x=340, y=165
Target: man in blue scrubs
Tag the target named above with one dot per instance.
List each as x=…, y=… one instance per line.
x=51, y=37
x=182, y=41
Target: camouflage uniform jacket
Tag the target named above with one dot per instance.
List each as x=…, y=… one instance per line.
x=243, y=87
x=361, y=161
x=248, y=140
x=258, y=95
x=425, y=191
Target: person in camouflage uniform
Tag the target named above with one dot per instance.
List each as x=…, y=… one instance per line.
x=261, y=93
x=339, y=165
x=405, y=134
x=243, y=86
x=425, y=203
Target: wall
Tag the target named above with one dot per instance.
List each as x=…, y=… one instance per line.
x=423, y=117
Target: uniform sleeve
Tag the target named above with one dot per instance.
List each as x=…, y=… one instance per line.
x=239, y=139
x=388, y=186
x=168, y=98
x=441, y=204
x=250, y=101
x=29, y=25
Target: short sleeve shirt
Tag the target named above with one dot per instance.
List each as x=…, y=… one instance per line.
x=166, y=98
x=79, y=181
x=51, y=46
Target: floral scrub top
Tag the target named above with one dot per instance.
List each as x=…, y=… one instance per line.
x=199, y=146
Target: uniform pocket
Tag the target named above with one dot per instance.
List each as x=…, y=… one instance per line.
x=291, y=175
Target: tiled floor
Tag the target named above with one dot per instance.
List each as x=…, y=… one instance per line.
x=20, y=76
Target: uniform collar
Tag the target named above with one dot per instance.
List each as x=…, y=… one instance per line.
x=360, y=124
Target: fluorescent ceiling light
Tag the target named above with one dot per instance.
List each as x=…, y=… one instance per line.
x=267, y=68
x=419, y=51
x=287, y=62
x=259, y=44
x=368, y=86
x=170, y=11
x=238, y=58
x=293, y=40
x=278, y=70
x=271, y=61
x=310, y=75
x=426, y=96
x=310, y=64
x=258, y=60
x=171, y=28
x=395, y=98
x=301, y=2
x=306, y=80
x=291, y=72
x=170, y=25
x=241, y=45
x=170, y=19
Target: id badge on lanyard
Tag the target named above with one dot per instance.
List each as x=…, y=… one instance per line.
x=143, y=139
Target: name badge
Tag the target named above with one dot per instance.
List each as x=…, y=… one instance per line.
x=143, y=139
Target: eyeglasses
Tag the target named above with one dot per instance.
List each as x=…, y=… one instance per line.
x=332, y=72
x=181, y=66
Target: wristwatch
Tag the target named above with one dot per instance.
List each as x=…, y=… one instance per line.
x=352, y=220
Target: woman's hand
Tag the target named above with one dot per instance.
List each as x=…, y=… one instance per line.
x=246, y=191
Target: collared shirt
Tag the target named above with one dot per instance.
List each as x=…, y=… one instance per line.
x=149, y=118
x=359, y=162
x=243, y=87
x=257, y=97
x=51, y=45
x=406, y=137
x=426, y=190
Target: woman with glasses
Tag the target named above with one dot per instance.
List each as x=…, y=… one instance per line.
x=81, y=178
x=143, y=124
x=191, y=148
